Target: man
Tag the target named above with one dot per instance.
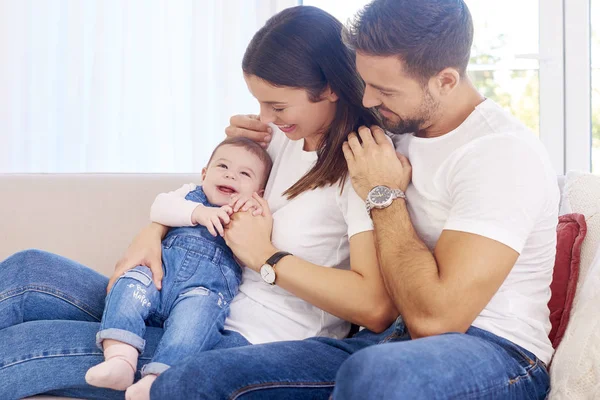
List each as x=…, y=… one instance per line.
x=466, y=250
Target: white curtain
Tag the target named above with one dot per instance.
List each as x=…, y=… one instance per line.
x=121, y=85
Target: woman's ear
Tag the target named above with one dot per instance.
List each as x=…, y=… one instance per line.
x=329, y=95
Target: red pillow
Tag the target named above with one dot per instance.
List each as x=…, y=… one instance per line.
x=570, y=231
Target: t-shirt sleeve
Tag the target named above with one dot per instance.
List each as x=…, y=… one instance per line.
x=497, y=188
x=354, y=210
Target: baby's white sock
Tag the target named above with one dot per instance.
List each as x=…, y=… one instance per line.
x=141, y=390
x=118, y=371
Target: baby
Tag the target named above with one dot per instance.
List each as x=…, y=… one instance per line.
x=201, y=276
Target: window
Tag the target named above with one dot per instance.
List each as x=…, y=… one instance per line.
x=504, y=60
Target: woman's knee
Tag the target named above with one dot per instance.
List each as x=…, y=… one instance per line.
x=24, y=264
x=367, y=373
x=360, y=366
x=38, y=267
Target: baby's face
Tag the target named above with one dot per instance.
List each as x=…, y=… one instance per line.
x=233, y=169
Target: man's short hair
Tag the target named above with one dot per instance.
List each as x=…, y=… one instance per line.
x=427, y=35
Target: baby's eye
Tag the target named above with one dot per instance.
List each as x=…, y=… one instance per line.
x=221, y=166
x=278, y=109
x=246, y=174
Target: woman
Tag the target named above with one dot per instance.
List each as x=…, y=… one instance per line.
x=304, y=79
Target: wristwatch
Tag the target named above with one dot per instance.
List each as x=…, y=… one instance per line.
x=382, y=196
x=267, y=271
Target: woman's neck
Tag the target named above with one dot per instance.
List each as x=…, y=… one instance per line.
x=311, y=143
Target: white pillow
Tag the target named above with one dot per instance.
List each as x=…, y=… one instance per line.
x=575, y=369
x=582, y=195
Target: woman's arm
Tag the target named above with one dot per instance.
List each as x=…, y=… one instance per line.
x=357, y=295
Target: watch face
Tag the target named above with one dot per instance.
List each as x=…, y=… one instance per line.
x=267, y=273
x=380, y=195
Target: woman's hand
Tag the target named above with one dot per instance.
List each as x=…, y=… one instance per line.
x=249, y=237
x=144, y=250
x=249, y=126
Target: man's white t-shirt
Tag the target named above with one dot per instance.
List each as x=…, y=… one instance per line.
x=492, y=177
x=315, y=226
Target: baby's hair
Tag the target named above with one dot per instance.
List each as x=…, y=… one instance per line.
x=252, y=147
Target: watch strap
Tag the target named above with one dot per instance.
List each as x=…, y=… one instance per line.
x=274, y=259
x=398, y=194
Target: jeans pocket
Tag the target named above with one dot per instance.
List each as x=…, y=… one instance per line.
x=188, y=266
x=526, y=360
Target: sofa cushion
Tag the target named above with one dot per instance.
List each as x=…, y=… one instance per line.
x=570, y=232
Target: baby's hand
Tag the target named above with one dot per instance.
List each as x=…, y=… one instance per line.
x=213, y=218
x=245, y=203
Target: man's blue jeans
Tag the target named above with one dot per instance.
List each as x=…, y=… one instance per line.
x=201, y=278
x=49, y=313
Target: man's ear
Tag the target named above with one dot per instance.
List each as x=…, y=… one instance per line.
x=203, y=174
x=446, y=80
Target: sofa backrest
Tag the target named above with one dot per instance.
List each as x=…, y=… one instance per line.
x=90, y=218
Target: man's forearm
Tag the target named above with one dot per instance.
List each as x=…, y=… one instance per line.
x=408, y=267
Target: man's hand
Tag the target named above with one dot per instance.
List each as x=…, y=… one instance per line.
x=213, y=218
x=375, y=162
x=249, y=126
x=144, y=250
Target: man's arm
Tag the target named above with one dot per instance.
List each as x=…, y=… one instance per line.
x=444, y=291
x=495, y=198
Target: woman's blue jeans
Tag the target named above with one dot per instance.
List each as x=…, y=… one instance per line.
x=50, y=309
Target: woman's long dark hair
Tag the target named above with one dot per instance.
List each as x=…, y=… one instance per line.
x=301, y=47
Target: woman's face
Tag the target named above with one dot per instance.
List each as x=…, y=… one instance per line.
x=292, y=111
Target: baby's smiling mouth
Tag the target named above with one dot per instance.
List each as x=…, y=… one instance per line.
x=226, y=189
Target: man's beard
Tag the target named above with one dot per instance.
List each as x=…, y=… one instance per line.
x=410, y=125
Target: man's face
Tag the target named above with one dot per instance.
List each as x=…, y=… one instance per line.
x=405, y=104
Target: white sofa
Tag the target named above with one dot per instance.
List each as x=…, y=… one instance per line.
x=92, y=218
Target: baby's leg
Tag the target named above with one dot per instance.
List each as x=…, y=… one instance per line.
x=194, y=325
x=131, y=301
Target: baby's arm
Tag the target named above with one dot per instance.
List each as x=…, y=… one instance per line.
x=172, y=209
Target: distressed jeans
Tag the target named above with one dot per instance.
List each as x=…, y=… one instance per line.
x=50, y=308
x=201, y=278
